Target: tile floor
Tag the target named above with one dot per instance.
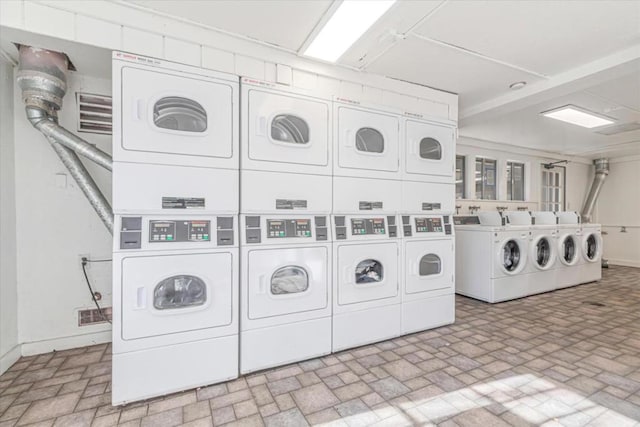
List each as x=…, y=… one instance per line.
x=552, y=359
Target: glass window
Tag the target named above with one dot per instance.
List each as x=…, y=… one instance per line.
x=369, y=271
x=515, y=181
x=511, y=255
x=430, y=264
x=552, y=190
x=486, y=179
x=290, y=128
x=181, y=114
x=289, y=280
x=430, y=149
x=369, y=140
x=592, y=247
x=543, y=252
x=569, y=249
x=179, y=292
x=460, y=177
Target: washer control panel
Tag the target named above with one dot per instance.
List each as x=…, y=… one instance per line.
x=179, y=231
x=361, y=226
x=428, y=225
x=277, y=228
x=365, y=227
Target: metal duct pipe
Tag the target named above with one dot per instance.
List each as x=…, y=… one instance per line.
x=602, y=170
x=42, y=78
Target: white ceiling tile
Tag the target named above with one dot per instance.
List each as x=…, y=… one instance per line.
x=284, y=23
x=543, y=36
x=473, y=78
x=623, y=91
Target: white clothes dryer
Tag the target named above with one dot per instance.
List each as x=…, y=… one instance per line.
x=428, y=150
x=569, y=248
x=591, y=248
x=175, y=299
x=428, y=290
x=286, y=149
x=168, y=120
x=490, y=258
x=366, y=280
x=285, y=290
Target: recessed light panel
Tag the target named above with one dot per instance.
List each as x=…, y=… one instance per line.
x=348, y=23
x=578, y=116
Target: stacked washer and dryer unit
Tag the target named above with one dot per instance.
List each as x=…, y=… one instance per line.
x=175, y=254
x=258, y=225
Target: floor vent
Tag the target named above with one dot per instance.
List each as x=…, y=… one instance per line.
x=596, y=304
x=95, y=113
x=92, y=316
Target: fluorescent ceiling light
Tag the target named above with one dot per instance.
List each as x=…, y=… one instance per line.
x=350, y=21
x=578, y=116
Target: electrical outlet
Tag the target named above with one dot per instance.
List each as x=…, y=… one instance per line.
x=87, y=256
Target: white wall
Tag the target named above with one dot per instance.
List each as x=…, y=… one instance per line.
x=578, y=175
x=9, y=349
x=55, y=224
x=618, y=206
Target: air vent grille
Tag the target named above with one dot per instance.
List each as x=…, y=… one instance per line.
x=95, y=113
x=614, y=130
x=92, y=316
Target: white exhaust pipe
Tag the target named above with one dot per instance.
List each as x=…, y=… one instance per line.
x=602, y=170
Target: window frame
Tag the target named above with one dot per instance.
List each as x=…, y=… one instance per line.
x=483, y=178
x=464, y=176
x=511, y=180
x=553, y=205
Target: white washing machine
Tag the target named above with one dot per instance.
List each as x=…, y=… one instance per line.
x=286, y=149
x=544, y=249
x=569, y=249
x=491, y=258
x=285, y=290
x=591, y=248
x=428, y=290
x=366, y=157
x=366, y=280
x=175, y=137
x=175, y=308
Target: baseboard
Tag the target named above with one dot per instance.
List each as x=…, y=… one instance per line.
x=624, y=262
x=65, y=343
x=9, y=358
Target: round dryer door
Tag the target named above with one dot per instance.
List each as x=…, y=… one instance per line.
x=592, y=247
x=568, y=250
x=512, y=258
x=543, y=253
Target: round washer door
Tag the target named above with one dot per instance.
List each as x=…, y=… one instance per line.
x=568, y=248
x=592, y=247
x=543, y=252
x=511, y=256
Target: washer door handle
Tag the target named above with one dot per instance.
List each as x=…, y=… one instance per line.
x=345, y=275
x=138, y=108
x=347, y=138
x=262, y=284
x=261, y=126
x=141, y=298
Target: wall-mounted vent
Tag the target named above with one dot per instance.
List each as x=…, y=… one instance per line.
x=614, y=130
x=95, y=113
x=92, y=316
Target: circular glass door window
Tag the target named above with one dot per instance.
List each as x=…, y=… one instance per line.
x=543, y=252
x=511, y=255
x=289, y=280
x=569, y=249
x=430, y=149
x=180, y=114
x=592, y=247
x=290, y=128
x=369, y=271
x=369, y=140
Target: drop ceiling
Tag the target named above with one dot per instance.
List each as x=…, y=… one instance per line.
x=566, y=51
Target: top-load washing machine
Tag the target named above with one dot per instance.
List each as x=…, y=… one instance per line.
x=366, y=280
x=175, y=303
x=428, y=290
x=591, y=247
x=491, y=258
x=428, y=166
x=569, y=249
x=175, y=137
x=367, y=175
x=286, y=149
x=285, y=289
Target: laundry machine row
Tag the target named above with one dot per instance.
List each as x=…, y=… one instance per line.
x=250, y=216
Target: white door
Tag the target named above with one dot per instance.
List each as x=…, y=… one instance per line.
x=367, y=140
x=287, y=281
x=288, y=129
x=166, y=113
x=428, y=265
x=367, y=272
x=430, y=149
x=170, y=294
